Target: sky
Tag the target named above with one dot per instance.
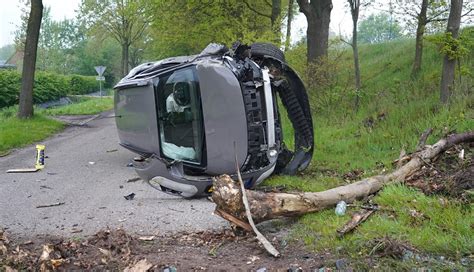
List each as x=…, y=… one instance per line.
x=10, y=13
x=60, y=9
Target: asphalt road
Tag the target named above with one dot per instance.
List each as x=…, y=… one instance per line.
x=92, y=183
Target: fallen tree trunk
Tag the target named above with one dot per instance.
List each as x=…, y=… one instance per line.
x=265, y=206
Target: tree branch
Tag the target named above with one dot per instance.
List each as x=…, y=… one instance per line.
x=256, y=11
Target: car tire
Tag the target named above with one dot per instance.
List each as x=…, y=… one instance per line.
x=267, y=50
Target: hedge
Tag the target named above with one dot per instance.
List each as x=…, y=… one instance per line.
x=48, y=86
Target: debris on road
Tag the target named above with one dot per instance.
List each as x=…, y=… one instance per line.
x=23, y=170
x=112, y=150
x=133, y=179
x=130, y=196
x=91, y=163
x=146, y=238
x=51, y=205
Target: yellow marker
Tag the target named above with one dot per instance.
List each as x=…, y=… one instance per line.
x=39, y=164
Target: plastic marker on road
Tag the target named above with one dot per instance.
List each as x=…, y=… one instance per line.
x=39, y=162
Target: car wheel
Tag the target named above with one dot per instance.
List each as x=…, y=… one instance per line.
x=265, y=50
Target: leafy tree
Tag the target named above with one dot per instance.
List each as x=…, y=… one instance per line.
x=59, y=44
x=424, y=16
x=274, y=15
x=420, y=15
x=378, y=28
x=94, y=52
x=186, y=27
x=29, y=60
x=127, y=21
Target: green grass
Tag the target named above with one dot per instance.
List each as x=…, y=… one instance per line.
x=343, y=143
x=16, y=133
x=85, y=106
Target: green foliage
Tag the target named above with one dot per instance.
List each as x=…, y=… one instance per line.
x=82, y=84
x=455, y=48
x=47, y=86
x=10, y=82
x=378, y=28
x=186, y=27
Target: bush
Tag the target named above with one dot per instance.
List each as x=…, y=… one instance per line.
x=10, y=82
x=48, y=86
x=82, y=84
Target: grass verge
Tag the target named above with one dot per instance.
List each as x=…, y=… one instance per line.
x=85, y=106
x=16, y=133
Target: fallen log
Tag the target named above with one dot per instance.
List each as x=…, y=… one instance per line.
x=227, y=194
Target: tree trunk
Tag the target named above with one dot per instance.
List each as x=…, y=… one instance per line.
x=288, y=24
x=318, y=15
x=420, y=31
x=275, y=19
x=355, y=4
x=125, y=55
x=265, y=206
x=29, y=60
x=449, y=65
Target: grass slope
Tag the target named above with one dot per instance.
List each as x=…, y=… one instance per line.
x=394, y=111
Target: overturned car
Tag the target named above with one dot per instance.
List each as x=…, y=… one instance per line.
x=190, y=118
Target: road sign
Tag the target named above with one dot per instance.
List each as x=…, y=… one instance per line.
x=101, y=78
x=100, y=70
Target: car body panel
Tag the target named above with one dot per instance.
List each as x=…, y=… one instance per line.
x=136, y=118
x=224, y=117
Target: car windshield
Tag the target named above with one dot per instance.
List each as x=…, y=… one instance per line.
x=180, y=116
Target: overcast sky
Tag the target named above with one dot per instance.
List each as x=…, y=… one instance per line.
x=10, y=17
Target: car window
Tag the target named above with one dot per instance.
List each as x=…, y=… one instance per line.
x=180, y=116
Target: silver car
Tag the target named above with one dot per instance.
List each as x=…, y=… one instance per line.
x=189, y=118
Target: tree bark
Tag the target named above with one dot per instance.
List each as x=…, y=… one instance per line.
x=265, y=206
x=275, y=19
x=288, y=24
x=29, y=60
x=125, y=56
x=318, y=16
x=449, y=64
x=355, y=5
x=420, y=31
